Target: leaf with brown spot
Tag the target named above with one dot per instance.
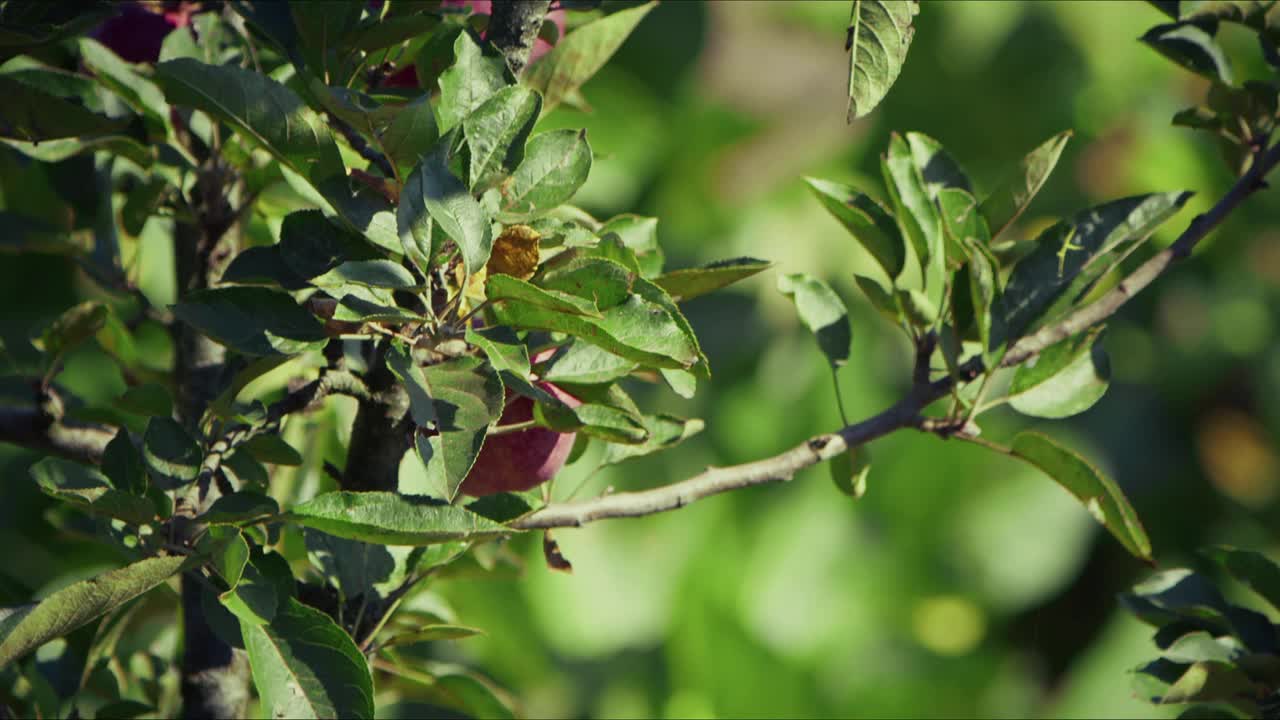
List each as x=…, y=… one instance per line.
x=555, y=559
x=515, y=252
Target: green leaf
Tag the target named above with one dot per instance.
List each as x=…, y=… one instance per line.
x=1199, y=645
x=611, y=424
x=1175, y=596
x=33, y=115
x=1006, y=203
x=914, y=207
x=361, y=569
x=262, y=265
x=640, y=235
x=581, y=53
x=146, y=399
x=251, y=320
x=503, y=288
x=433, y=633
x=476, y=74
x=122, y=463
x=849, y=472
x=411, y=134
x=239, y=507
x=73, y=326
x=172, y=455
x=1100, y=495
x=322, y=27
x=271, y=448
x=259, y=108
x=664, y=431
x=311, y=245
x=392, y=519
x=823, y=312
x=467, y=397
x=497, y=131
x=78, y=604
x=638, y=329
x=693, y=282
x=372, y=273
x=555, y=165
x=880, y=33
x=581, y=362
x=1191, y=46
x=604, y=283
x=869, y=223
x=983, y=276
x=257, y=595
x=1254, y=569
x=90, y=490
x=1066, y=379
x=433, y=190
x=229, y=554
x=122, y=79
x=305, y=666
x=1071, y=256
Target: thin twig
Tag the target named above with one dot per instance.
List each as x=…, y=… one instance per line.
x=906, y=413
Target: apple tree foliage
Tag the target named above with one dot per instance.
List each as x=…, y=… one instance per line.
x=414, y=246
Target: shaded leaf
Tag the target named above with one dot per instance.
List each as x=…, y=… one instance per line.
x=1006, y=203
x=258, y=107
x=433, y=633
x=80, y=603
x=849, y=472
x=823, y=312
x=392, y=519
x=122, y=463
x=90, y=490
x=581, y=53
x=373, y=273
x=1066, y=379
x=172, y=455
x=1190, y=45
x=305, y=666
x=33, y=115
x=251, y=320
x=1100, y=495
x=74, y=326
x=1254, y=569
x=410, y=134
x=146, y=399
x=239, y=507
x=879, y=35
x=638, y=234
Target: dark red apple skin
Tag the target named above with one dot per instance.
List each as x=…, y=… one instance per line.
x=518, y=461
x=136, y=32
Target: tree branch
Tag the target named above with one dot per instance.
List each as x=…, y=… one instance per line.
x=907, y=412
x=1106, y=306
x=513, y=29
x=32, y=428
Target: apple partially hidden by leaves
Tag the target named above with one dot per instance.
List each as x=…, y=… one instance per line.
x=521, y=460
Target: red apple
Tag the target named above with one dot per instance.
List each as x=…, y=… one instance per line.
x=138, y=29
x=517, y=461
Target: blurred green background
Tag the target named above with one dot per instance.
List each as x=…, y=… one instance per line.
x=963, y=584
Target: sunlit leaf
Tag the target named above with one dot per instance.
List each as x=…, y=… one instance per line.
x=868, y=222
x=880, y=33
x=1099, y=494
x=1005, y=204
x=392, y=519
x=305, y=666
x=693, y=282
x=476, y=74
x=75, y=605
x=581, y=53
x=432, y=189
x=496, y=133
x=555, y=165
x=823, y=312
x=1066, y=379
x=1192, y=47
